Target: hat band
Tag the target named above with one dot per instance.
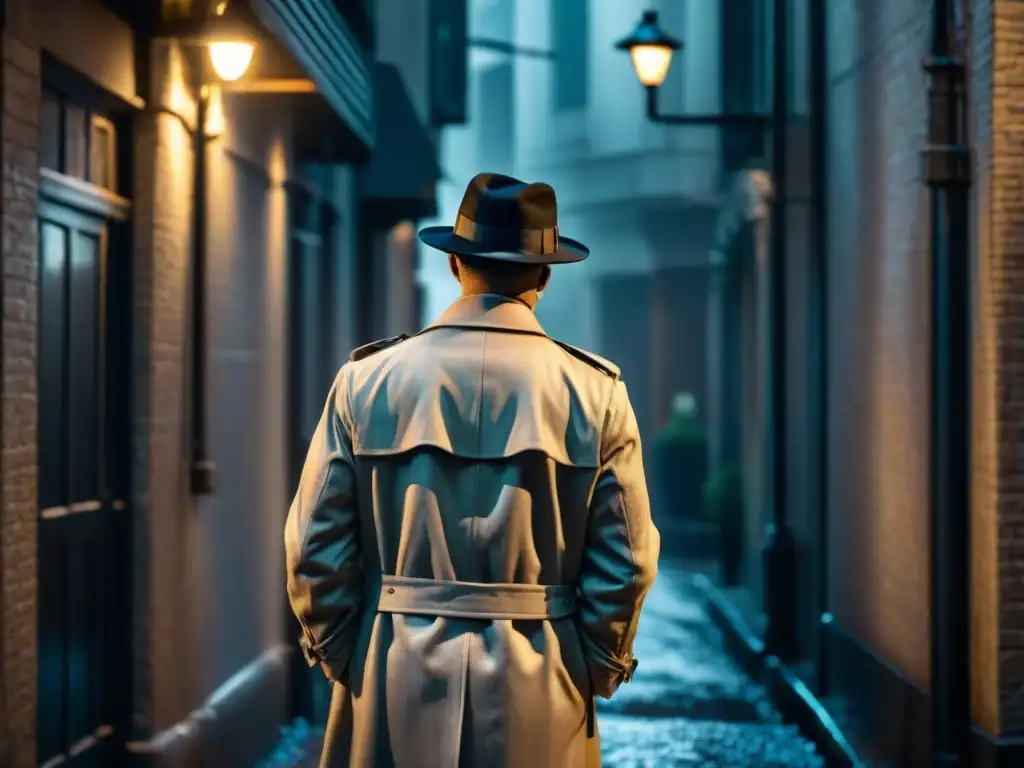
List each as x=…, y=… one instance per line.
x=536, y=242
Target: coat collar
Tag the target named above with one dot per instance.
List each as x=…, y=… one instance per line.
x=489, y=310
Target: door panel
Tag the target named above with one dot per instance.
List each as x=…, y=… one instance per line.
x=84, y=411
x=83, y=534
x=52, y=363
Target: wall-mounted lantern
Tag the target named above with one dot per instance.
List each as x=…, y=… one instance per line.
x=651, y=49
x=231, y=43
x=227, y=33
x=230, y=60
x=273, y=48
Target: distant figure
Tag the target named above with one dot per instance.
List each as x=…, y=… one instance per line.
x=471, y=541
x=680, y=469
x=684, y=405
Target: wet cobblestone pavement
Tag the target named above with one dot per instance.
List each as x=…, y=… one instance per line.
x=688, y=704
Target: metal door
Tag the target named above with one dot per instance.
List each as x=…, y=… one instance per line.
x=83, y=536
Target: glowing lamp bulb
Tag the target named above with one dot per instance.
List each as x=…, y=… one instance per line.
x=651, y=63
x=231, y=60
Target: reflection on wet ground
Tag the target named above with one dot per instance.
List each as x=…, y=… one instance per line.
x=688, y=704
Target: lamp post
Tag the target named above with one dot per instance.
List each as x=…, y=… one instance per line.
x=946, y=166
x=227, y=38
x=651, y=50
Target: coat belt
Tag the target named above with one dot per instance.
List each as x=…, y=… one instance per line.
x=471, y=600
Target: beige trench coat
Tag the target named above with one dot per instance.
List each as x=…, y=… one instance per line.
x=478, y=452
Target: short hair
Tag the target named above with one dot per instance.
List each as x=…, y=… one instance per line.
x=498, y=269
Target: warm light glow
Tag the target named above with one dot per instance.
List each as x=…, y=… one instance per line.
x=651, y=63
x=215, y=120
x=230, y=60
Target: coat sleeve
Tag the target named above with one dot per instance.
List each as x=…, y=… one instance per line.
x=322, y=546
x=621, y=554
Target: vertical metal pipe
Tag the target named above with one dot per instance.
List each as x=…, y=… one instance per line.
x=947, y=173
x=780, y=577
x=202, y=471
x=818, y=325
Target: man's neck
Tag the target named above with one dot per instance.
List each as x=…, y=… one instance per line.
x=529, y=298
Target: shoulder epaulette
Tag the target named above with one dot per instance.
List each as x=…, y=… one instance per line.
x=607, y=367
x=374, y=347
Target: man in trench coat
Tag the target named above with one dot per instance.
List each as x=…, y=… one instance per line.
x=471, y=541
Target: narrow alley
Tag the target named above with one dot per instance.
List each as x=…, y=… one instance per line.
x=688, y=705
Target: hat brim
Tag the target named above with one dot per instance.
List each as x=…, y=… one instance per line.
x=444, y=239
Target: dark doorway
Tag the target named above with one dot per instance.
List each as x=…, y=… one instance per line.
x=310, y=372
x=84, y=443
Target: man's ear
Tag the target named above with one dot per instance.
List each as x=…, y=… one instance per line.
x=545, y=276
x=453, y=265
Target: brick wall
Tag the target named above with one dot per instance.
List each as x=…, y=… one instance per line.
x=161, y=503
x=999, y=300
x=878, y=326
x=985, y=462
x=171, y=580
x=19, y=131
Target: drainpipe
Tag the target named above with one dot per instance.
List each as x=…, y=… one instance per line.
x=780, y=549
x=202, y=471
x=818, y=327
x=946, y=169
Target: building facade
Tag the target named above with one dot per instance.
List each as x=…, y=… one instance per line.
x=399, y=184
x=860, y=429
x=879, y=324
x=740, y=418
x=642, y=197
x=180, y=284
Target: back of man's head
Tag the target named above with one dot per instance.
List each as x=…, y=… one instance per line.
x=507, y=278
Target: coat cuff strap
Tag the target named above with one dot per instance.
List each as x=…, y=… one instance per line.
x=613, y=670
x=332, y=656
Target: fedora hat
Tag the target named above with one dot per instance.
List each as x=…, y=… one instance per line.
x=509, y=220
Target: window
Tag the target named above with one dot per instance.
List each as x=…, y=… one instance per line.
x=570, y=40
x=77, y=142
x=102, y=153
x=496, y=140
x=50, y=130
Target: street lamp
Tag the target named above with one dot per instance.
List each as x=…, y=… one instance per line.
x=231, y=43
x=228, y=34
x=225, y=30
x=651, y=50
x=230, y=60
